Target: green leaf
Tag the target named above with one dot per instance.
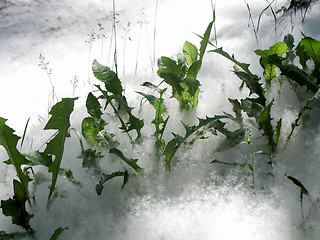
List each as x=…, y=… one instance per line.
x=90, y=131
x=60, y=120
x=190, y=52
x=294, y=73
x=205, y=40
x=232, y=139
x=265, y=124
x=9, y=141
x=57, y=233
x=299, y=184
x=243, y=66
x=91, y=159
x=252, y=107
x=131, y=162
x=15, y=207
x=107, y=177
x=252, y=82
x=108, y=77
x=93, y=106
x=243, y=165
x=309, y=48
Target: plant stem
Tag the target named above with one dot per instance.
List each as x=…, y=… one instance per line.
x=115, y=37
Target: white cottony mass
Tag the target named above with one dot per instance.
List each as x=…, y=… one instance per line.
x=46, y=53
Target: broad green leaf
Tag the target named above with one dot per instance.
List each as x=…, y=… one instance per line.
x=9, y=141
x=190, y=52
x=107, y=177
x=108, y=77
x=193, y=85
x=270, y=59
x=60, y=120
x=205, y=40
x=194, y=69
x=171, y=66
x=93, y=106
x=90, y=131
x=57, y=233
x=131, y=162
x=311, y=47
x=294, y=73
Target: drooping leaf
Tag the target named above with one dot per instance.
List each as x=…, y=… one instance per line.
x=190, y=52
x=252, y=82
x=309, y=48
x=252, y=107
x=299, y=184
x=108, y=77
x=60, y=120
x=107, y=177
x=294, y=73
x=57, y=233
x=93, y=106
x=131, y=162
x=243, y=66
x=243, y=165
x=16, y=209
x=232, y=139
x=9, y=141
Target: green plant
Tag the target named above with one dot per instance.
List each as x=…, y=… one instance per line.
x=159, y=122
x=181, y=74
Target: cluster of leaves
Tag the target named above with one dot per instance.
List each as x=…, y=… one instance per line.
x=181, y=73
x=94, y=127
x=51, y=158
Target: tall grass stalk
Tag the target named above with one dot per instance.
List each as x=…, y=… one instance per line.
x=155, y=31
x=115, y=36
x=213, y=7
x=126, y=29
x=44, y=66
x=251, y=20
x=90, y=40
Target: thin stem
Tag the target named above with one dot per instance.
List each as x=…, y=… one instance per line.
x=115, y=37
x=154, y=32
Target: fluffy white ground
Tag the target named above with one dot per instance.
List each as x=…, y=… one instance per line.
x=195, y=200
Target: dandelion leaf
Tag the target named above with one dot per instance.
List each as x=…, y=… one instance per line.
x=107, y=177
x=15, y=207
x=9, y=141
x=190, y=52
x=131, y=162
x=299, y=76
x=108, y=77
x=60, y=121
